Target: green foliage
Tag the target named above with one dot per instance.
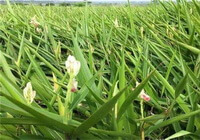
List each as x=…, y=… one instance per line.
x=50, y=4
x=156, y=45
x=64, y=4
x=79, y=4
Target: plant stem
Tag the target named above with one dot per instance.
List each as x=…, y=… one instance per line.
x=142, y=115
x=68, y=100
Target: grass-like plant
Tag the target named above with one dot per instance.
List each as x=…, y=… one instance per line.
x=100, y=72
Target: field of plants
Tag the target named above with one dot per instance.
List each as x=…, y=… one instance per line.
x=100, y=72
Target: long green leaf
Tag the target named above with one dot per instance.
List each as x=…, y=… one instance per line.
x=133, y=95
x=99, y=114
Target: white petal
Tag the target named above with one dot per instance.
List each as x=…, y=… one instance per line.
x=32, y=96
x=74, y=84
x=29, y=86
x=72, y=65
x=77, y=67
x=137, y=83
x=67, y=64
x=71, y=58
x=28, y=92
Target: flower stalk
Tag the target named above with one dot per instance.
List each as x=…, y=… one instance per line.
x=143, y=97
x=73, y=67
x=142, y=116
x=68, y=100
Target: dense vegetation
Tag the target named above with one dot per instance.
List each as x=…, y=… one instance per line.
x=156, y=45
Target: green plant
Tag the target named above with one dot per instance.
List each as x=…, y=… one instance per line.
x=117, y=46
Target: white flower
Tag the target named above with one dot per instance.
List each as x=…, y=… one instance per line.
x=72, y=65
x=28, y=92
x=116, y=24
x=143, y=95
x=137, y=83
x=34, y=22
x=74, y=85
x=39, y=30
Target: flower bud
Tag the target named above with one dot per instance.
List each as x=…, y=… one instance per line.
x=34, y=22
x=29, y=94
x=39, y=30
x=72, y=65
x=144, y=96
x=74, y=85
x=116, y=24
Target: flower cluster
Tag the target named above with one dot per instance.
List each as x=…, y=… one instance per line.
x=36, y=24
x=73, y=67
